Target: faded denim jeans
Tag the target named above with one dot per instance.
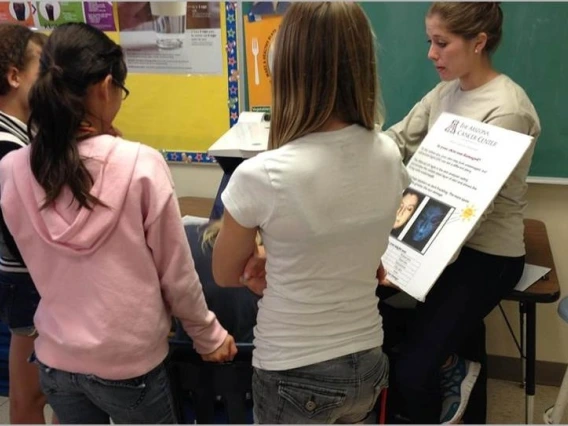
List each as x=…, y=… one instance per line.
x=88, y=399
x=341, y=390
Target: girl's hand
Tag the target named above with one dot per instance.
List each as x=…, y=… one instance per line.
x=382, y=277
x=224, y=353
x=254, y=275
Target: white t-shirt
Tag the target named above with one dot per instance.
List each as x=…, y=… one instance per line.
x=325, y=204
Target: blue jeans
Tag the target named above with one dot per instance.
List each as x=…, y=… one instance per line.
x=341, y=390
x=88, y=399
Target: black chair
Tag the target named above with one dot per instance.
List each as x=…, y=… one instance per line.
x=208, y=393
x=235, y=307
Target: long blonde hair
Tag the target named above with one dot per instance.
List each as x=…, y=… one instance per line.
x=325, y=65
x=212, y=230
x=210, y=233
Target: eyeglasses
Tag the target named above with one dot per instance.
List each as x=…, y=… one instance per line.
x=125, y=91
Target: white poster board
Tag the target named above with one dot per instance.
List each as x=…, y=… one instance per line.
x=456, y=173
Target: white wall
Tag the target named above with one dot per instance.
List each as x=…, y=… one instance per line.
x=196, y=180
x=548, y=203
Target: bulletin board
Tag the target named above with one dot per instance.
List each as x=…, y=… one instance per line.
x=183, y=115
x=179, y=113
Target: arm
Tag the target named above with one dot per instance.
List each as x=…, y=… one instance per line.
x=516, y=123
x=179, y=281
x=249, y=202
x=234, y=246
x=409, y=133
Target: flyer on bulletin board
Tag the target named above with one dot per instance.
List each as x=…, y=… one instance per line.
x=171, y=37
x=17, y=12
x=46, y=15
x=261, y=25
x=50, y=14
x=208, y=77
x=456, y=173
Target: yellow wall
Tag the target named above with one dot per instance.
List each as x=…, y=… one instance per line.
x=176, y=112
x=548, y=203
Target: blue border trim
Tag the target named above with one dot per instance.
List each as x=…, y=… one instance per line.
x=232, y=62
x=192, y=157
x=187, y=157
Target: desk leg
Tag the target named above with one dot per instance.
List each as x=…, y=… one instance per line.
x=523, y=339
x=530, y=361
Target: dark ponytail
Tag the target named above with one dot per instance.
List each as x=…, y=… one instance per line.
x=75, y=57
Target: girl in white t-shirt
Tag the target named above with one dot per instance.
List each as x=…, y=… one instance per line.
x=324, y=198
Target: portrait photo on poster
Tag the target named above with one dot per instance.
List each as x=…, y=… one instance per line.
x=411, y=199
x=427, y=225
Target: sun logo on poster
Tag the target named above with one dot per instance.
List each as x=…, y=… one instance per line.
x=468, y=213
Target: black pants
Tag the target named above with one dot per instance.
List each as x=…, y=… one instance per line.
x=218, y=208
x=449, y=321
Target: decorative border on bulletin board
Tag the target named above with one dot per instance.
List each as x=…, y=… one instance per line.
x=190, y=157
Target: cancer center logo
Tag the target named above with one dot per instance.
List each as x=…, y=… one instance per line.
x=452, y=127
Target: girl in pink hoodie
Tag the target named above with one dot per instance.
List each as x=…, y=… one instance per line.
x=97, y=222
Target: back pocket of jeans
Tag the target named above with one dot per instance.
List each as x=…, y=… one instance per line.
x=47, y=377
x=123, y=394
x=312, y=401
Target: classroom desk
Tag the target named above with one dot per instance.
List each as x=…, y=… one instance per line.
x=195, y=206
x=546, y=290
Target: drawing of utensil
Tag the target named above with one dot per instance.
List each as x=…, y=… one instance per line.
x=255, y=52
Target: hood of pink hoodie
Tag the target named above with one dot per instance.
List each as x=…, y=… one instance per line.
x=73, y=229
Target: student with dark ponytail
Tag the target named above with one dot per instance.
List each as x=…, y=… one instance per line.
x=97, y=221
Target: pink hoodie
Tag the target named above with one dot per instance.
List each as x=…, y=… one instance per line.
x=109, y=278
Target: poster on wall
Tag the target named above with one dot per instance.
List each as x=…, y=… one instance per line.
x=456, y=173
x=100, y=14
x=53, y=13
x=49, y=14
x=171, y=37
x=46, y=15
x=261, y=25
x=17, y=12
